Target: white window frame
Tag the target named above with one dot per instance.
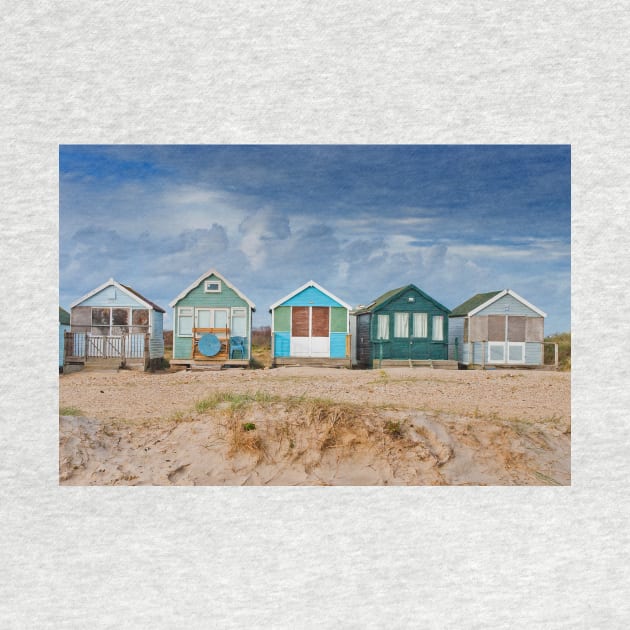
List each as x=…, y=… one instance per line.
x=382, y=317
x=238, y=312
x=435, y=328
x=185, y=311
x=213, y=311
x=401, y=321
x=416, y=318
x=207, y=283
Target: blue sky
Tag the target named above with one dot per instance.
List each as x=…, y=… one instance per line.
x=358, y=219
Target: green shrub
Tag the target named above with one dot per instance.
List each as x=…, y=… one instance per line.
x=564, y=350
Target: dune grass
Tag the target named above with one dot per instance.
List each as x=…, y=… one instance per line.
x=70, y=411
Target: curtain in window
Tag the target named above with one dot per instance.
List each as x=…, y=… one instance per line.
x=420, y=324
x=401, y=324
x=438, y=328
x=383, y=327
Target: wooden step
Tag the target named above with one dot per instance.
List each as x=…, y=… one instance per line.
x=445, y=365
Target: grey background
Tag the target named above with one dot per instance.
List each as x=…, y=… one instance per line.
x=297, y=72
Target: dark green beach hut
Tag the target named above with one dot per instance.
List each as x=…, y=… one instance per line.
x=404, y=324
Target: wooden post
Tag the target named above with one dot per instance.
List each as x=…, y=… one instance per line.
x=556, y=354
x=349, y=350
x=483, y=355
x=67, y=345
x=85, y=348
x=123, y=349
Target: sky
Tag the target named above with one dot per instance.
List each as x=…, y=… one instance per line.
x=360, y=220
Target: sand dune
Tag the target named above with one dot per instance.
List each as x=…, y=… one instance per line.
x=297, y=426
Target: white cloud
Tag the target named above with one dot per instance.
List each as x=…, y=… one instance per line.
x=260, y=231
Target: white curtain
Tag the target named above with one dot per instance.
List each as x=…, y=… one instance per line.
x=438, y=328
x=401, y=324
x=420, y=324
x=383, y=327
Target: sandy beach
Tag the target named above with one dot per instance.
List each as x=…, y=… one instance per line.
x=315, y=426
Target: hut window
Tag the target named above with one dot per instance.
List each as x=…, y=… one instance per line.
x=120, y=317
x=239, y=328
x=420, y=323
x=220, y=319
x=383, y=327
x=140, y=317
x=438, y=328
x=212, y=286
x=101, y=316
x=401, y=324
x=185, y=322
x=101, y=319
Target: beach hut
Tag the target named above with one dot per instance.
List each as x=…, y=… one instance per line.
x=64, y=327
x=499, y=328
x=212, y=323
x=310, y=326
x=404, y=326
x=117, y=323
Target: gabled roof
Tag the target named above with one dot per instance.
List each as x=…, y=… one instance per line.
x=310, y=283
x=482, y=300
x=472, y=303
x=201, y=278
x=153, y=304
x=64, y=316
x=125, y=289
x=382, y=300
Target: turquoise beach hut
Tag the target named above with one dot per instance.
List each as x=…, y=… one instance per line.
x=310, y=326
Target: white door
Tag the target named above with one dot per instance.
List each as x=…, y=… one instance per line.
x=310, y=331
x=320, y=347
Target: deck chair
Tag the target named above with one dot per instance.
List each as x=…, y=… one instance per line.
x=237, y=346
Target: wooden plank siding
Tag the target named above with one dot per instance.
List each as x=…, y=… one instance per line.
x=197, y=298
x=409, y=300
x=111, y=317
x=506, y=332
x=309, y=325
x=508, y=304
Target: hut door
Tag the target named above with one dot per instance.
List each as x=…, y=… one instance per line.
x=506, y=339
x=300, y=331
x=310, y=336
x=320, y=331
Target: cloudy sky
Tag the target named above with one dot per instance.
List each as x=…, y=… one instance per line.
x=358, y=219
